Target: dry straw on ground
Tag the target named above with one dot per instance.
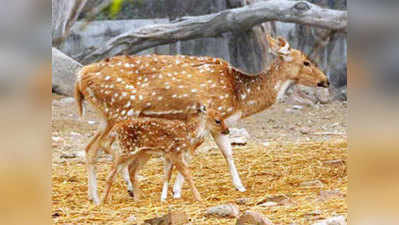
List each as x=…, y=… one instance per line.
x=267, y=172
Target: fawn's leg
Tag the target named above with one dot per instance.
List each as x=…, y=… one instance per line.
x=135, y=166
x=177, y=187
x=110, y=180
x=167, y=174
x=125, y=171
x=182, y=167
x=223, y=142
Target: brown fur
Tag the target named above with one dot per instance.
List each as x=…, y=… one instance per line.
x=125, y=87
x=141, y=136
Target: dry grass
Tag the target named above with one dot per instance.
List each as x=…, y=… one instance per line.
x=265, y=171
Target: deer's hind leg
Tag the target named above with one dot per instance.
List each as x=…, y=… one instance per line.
x=135, y=166
x=168, y=166
x=91, y=158
x=182, y=167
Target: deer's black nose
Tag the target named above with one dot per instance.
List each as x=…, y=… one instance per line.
x=323, y=84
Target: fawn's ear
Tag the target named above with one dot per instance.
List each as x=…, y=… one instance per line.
x=279, y=47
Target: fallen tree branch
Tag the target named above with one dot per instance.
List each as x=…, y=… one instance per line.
x=238, y=19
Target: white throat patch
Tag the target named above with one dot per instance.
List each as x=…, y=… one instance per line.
x=282, y=89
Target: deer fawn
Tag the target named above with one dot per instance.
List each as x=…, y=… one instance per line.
x=123, y=87
x=173, y=138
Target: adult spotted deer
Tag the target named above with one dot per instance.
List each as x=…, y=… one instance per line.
x=139, y=138
x=123, y=87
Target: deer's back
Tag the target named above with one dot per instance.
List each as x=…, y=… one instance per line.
x=127, y=86
x=154, y=134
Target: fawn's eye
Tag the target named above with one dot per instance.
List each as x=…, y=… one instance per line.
x=218, y=121
x=306, y=63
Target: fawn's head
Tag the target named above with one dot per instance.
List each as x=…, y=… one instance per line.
x=213, y=122
x=295, y=66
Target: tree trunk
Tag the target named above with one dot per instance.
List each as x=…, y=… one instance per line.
x=64, y=71
x=64, y=15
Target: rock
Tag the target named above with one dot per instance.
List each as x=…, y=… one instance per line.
x=226, y=210
x=239, y=136
x=242, y=201
x=57, y=139
x=297, y=107
x=266, y=143
x=268, y=204
x=68, y=156
x=91, y=122
x=75, y=134
x=249, y=218
x=304, y=131
x=131, y=219
x=275, y=200
x=64, y=71
x=312, y=184
x=325, y=195
x=172, y=218
x=337, y=220
x=290, y=110
x=336, y=162
x=67, y=101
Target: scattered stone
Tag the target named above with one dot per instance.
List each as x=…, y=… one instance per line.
x=312, y=184
x=67, y=101
x=55, y=138
x=290, y=110
x=172, y=218
x=75, y=134
x=242, y=201
x=131, y=219
x=266, y=143
x=337, y=220
x=249, y=218
x=325, y=195
x=274, y=200
x=268, y=204
x=68, y=156
x=297, y=107
x=226, y=210
x=304, y=131
x=239, y=136
x=336, y=162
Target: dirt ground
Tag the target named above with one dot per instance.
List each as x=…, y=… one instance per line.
x=295, y=158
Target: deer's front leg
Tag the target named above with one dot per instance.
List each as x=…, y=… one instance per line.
x=223, y=142
x=177, y=187
x=167, y=174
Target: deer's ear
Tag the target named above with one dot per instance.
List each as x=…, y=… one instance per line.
x=273, y=44
x=279, y=47
x=284, y=47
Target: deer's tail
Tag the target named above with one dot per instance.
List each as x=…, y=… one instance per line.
x=79, y=97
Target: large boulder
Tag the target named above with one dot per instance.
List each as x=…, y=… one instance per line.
x=64, y=71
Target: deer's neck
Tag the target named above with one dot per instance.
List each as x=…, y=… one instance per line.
x=256, y=93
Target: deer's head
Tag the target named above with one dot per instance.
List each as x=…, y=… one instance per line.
x=295, y=66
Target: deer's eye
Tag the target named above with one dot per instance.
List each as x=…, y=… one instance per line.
x=218, y=121
x=306, y=63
